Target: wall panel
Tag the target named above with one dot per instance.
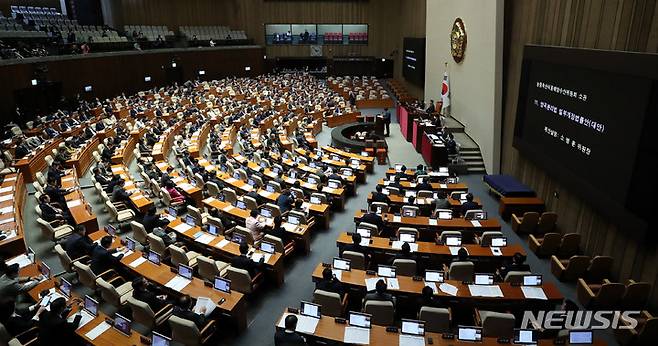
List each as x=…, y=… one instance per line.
x=629, y=25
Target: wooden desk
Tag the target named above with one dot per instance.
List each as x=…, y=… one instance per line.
x=124, y=153
x=423, y=223
x=82, y=159
x=78, y=207
x=36, y=161
x=369, y=161
x=301, y=234
x=161, y=148
x=423, y=203
x=234, y=306
x=519, y=205
x=360, y=170
x=11, y=219
x=408, y=185
x=185, y=186
x=511, y=294
x=137, y=198
x=337, y=120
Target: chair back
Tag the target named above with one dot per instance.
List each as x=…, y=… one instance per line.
x=240, y=280
x=446, y=234
x=276, y=211
x=300, y=216
x=229, y=195
x=108, y=292
x=496, y=324
x=85, y=275
x=569, y=245
x=184, y=331
x=649, y=332
x=64, y=258
x=358, y=259
x=408, y=230
x=529, y=222
x=383, y=312
x=516, y=276
x=550, y=244
x=412, y=208
x=547, y=222
x=375, y=205
x=178, y=256
x=366, y=225
x=213, y=189
x=636, y=295
x=485, y=240
x=278, y=243
x=139, y=232
x=425, y=194
x=330, y=303
x=157, y=244
x=321, y=196
x=437, y=320
x=406, y=267
x=461, y=271
x=609, y=295
x=599, y=268
x=244, y=233
x=196, y=214
x=166, y=197
x=207, y=268
x=575, y=268
x=250, y=202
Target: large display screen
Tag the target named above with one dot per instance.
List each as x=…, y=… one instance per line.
x=413, y=60
x=581, y=115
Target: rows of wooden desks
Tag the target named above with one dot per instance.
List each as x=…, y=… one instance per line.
x=427, y=224
x=124, y=152
x=188, y=189
x=234, y=305
x=161, y=148
x=300, y=233
x=12, y=200
x=369, y=161
x=407, y=185
x=137, y=197
x=336, y=161
x=83, y=158
x=331, y=332
x=423, y=203
x=75, y=201
x=36, y=161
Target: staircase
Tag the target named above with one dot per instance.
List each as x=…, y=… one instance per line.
x=469, y=150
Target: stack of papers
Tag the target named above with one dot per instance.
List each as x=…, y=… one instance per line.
x=6, y=198
x=5, y=210
x=222, y=243
x=73, y=203
x=454, y=250
x=443, y=186
x=534, y=292
x=86, y=318
x=7, y=189
x=370, y=283
x=182, y=227
x=448, y=289
x=177, y=283
x=98, y=330
x=397, y=219
x=204, y=302
x=364, y=242
x=4, y=221
x=485, y=291
x=337, y=273
x=496, y=251
x=476, y=223
x=205, y=238
x=136, y=263
x=411, y=340
x=356, y=335
x=392, y=284
x=22, y=260
x=433, y=222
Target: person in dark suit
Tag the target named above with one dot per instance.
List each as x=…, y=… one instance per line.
x=329, y=283
x=49, y=212
x=119, y=193
x=431, y=108
x=54, y=327
x=387, y=122
x=144, y=291
x=428, y=299
x=379, y=196
x=279, y=231
x=380, y=293
x=517, y=265
x=244, y=262
x=469, y=204
x=183, y=309
x=424, y=185
x=405, y=253
x=356, y=245
x=78, y=244
x=288, y=336
x=152, y=220
x=376, y=220
x=101, y=257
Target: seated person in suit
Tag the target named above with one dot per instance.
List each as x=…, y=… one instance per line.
x=517, y=265
x=424, y=185
x=54, y=327
x=100, y=178
x=78, y=244
x=119, y=193
x=255, y=225
x=469, y=204
x=183, y=309
x=380, y=293
x=329, y=283
x=299, y=203
x=372, y=218
x=244, y=262
x=49, y=212
x=356, y=245
x=379, y=196
x=288, y=336
x=284, y=201
x=420, y=170
x=441, y=202
x=405, y=253
x=279, y=231
x=428, y=299
x=148, y=293
x=152, y=220
x=101, y=257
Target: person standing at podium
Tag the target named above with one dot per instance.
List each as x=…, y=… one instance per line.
x=387, y=122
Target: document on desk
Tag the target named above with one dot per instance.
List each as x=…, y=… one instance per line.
x=6, y=198
x=448, y=289
x=433, y=222
x=496, y=251
x=205, y=238
x=177, y=283
x=356, y=335
x=231, y=180
x=98, y=330
x=454, y=250
x=182, y=227
x=337, y=273
x=186, y=186
x=204, y=302
x=10, y=179
x=476, y=223
x=86, y=318
x=247, y=187
x=364, y=242
x=306, y=324
x=22, y=261
x=397, y=218
x=227, y=209
x=531, y=292
x=4, y=221
x=411, y=340
x=392, y=284
x=68, y=179
x=6, y=210
x=222, y=243
x=136, y=263
x=371, y=283
x=73, y=203
x=7, y=189
x=485, y=291
x=443, y=186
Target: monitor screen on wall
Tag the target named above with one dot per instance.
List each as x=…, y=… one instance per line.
x=413, y=60
x=584, y=117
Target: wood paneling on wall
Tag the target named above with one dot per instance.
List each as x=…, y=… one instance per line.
x=628, y=25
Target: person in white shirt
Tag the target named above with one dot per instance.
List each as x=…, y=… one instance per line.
x=256, y=225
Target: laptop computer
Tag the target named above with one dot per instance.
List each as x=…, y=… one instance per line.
x=213, y=229
x=185, y=271
x=445, y=215
x=189, y=219
x=238, y=238
x=172, y=211
x=310, y=309
x=269, y=188
x=266, y=212
x=364, y=232
x=160, y=340
x=65, y=287
x=240, y=205
x=398, y=167
x=409, y=213
x=45, y=270
x=111, y=230
x=413, y=327
x=293, y=219
x=341, y=264
x=454, y=241
x=434, y=276
x=222, y=284
x=333, y=185
x=315, y=200
x=525, y=336
x=532, y=280
x=408, y=237
x=267, y=247
x=580, y=337
x=484, y=279
x=385, y=271
x=153, y=257
x=469, y=333
x=312, y=181
x=122, y=324
x=358, y=319
x=131, y=243
x=91, y=306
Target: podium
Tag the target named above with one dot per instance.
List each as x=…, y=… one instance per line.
x=379, y=125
